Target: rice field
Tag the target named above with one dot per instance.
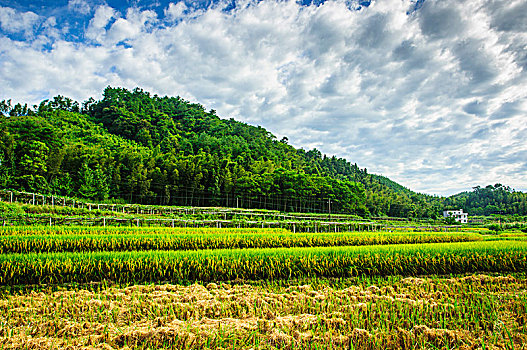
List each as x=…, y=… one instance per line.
x=471, y=312
x=186, y=288
x=266, y=264
x=85, y=239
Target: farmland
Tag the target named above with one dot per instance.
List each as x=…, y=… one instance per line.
x=348, y=284
x=477, y=311
x=131, y=239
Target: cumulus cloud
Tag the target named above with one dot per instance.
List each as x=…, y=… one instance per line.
x=97, y=27
x=174, y=11
x=136, y=22
x=12, y=21
x=433, y=98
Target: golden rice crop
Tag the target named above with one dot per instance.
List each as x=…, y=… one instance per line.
x=266, y=264
x=207, y=239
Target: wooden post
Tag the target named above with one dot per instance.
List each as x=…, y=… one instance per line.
x=33, y=199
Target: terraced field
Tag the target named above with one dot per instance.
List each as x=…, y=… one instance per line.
x=151, y=288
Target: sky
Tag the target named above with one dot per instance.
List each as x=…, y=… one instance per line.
x=431, y=94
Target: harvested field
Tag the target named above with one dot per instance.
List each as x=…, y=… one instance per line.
x=467, y=312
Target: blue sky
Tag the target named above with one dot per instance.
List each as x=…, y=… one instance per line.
x=431, y=93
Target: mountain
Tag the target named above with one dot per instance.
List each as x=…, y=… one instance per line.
x=136, y=147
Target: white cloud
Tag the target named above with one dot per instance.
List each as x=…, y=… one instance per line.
x=434, y=99
x=130, y=27
x=81, y=6
x=13, y=21
x=97, y=27
x=174, y=11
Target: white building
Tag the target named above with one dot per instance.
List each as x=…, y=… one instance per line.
x=458, y=215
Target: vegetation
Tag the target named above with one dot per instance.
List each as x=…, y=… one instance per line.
x=497, y=199
x=135, y=147
x=130, y=239
x=80, y=287
x=262, y=264
x=472, y=312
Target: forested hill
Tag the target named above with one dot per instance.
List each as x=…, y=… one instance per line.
x=136, y=147
x=497, y=199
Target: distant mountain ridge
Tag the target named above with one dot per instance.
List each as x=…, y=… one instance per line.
x=136, y=147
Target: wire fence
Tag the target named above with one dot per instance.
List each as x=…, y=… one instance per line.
x=141, y=215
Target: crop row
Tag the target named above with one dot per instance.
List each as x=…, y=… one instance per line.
x=263, y=264
x=230, y=240
x=25, y=230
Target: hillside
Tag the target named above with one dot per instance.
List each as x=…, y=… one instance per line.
x=136, y=147
x=497, y=199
